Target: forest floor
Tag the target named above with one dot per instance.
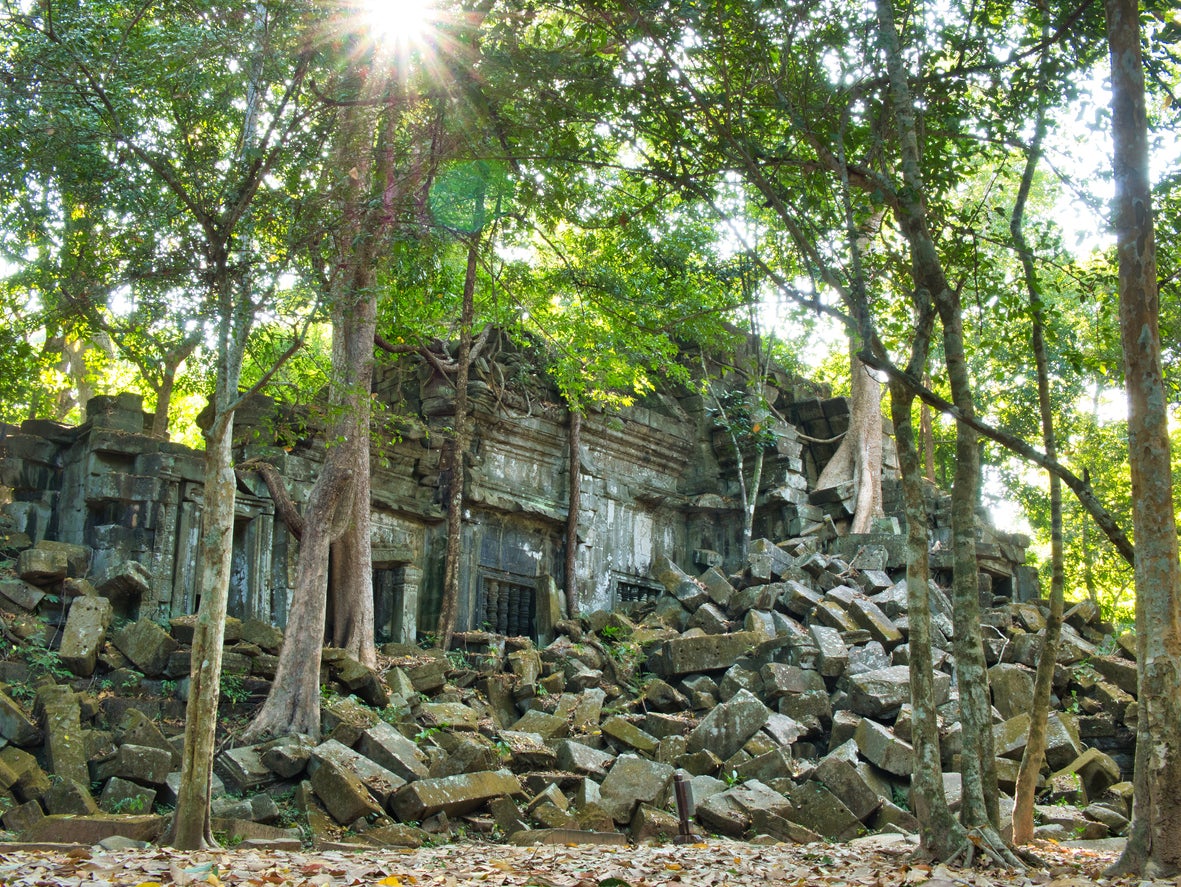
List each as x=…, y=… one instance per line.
x=875, y=861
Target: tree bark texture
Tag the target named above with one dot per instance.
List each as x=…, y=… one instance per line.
x=941, y=835
x=449, y=610
x=1154, y=844
x=1034, y=755
x=191, y=828
x=341, y=490
x=859, y=457
x=980, y=808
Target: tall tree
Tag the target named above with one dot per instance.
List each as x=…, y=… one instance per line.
x=1154, y=845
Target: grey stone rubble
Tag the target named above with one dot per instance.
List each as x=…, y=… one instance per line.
x=779, y=693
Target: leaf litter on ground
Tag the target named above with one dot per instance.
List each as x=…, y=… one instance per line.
x=876, y=861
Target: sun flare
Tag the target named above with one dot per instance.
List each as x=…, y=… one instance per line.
x=401, y=24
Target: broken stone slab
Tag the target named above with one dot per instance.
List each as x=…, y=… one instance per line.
x=124, y=583
x=137, y=763
x=242, y=769
x=85, y=631
x=452, y=715
x=631, y=781
x=39, y=566
x=784, y=731
x=812, y=710
x=1096, y=771
x=65, y=744
x=867, y=615
x=710, y=619
x=28, y=781
x=818, y=809
x=688, y=655
x=832, y=655
x=342, y=792
x=579, y=758
x=380, y=782
x=788, y=680
x=627, y=733
x=1121, y=672
x=881, y=692
x=650, y=824
x=1062, y=743
x=537, y=721
x=15, y=725
x=838, y=772
x=1012, y=688
x=22, y=817
x=70, y=796
x=19, y=596
x=829, y=612
x=124, y=796
x=362, y=681
x=453, y=795
x=147, y=645
x=470, y=753
x=729, y=725
x=90, y=830
x=717, y=586
x=382, y=743
x=881, y=747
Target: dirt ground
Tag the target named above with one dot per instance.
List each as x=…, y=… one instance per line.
x=876, y=861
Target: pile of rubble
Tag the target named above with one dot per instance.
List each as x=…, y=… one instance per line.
x=773, y=702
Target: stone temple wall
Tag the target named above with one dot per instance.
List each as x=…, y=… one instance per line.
x=658, y=481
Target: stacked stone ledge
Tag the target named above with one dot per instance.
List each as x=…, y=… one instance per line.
x=780, y=694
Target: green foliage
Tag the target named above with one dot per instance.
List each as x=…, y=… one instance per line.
x=233, y=688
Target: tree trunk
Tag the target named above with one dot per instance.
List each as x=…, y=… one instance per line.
x=191, y=829
x=575, y=449
x=352, y=576
x=1035, y=745
x=859, y=457
x=941, y=835
x=449, y=611
x=172, y=361
x=1154, y=843
x=980, y=808
x=293, y=705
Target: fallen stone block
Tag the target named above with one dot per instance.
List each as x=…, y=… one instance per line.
x=138, y=763
x=124, y=796
x=382, y=743
x=15, y=725
x=688, y=655
x=882, y=692
x=728, y=726
x=631, y=781
x=19, y=596
x=453, y=795
x=147, y=645
x=123, y=583
x=343, y=793
x=378, y=781
x=881, y=747
x=627, y=733
x=562, y=837
x=90, y=830
x=42, y=567
x=818, y=809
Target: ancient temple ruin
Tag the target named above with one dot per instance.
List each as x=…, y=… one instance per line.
x=658, y=480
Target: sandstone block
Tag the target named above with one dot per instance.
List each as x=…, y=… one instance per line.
x=124, y=796
x=453, y=795
x=393, y=751
x=19, y=596
x=629, y=734
x=85, y=632
x=634, y=780
x=147, y=645
x=39, y=566
x=819, y=810
x=879, y=745
x=686, y=655
x=343, y=793
x=728, y=726
x=15, y=725
x=380, y=782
